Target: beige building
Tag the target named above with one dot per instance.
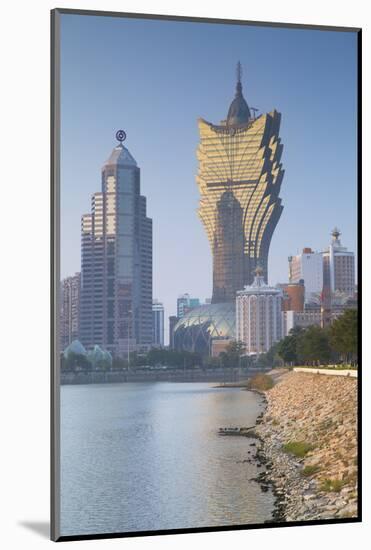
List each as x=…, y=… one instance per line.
x=302, y=319
x=218, y=345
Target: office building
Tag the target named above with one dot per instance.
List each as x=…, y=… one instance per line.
x=173, y=319
x=308, y=267
x=69, y=310
x=116, y=261
x=338, y=267
x=158, y=326
x=185, y=303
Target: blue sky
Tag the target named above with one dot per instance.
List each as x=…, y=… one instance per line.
x=154, y=79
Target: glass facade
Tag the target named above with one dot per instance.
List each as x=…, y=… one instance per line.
x=239, y=181
x=196, y=330
x=116, y=270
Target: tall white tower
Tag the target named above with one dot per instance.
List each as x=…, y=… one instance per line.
x=307, y=266
x=338, y=265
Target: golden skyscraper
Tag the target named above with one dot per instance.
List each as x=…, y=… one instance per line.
x=239, y=180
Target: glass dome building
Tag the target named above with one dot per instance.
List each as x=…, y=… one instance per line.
x=197, y=328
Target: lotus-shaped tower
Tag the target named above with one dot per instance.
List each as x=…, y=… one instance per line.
x=239, y=180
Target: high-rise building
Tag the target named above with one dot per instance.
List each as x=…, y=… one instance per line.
x=239, y=180
x=338, y=267
x=307, y=266
x=173, y=319
x=116, y=260
x=158, y=323
x=259, y=315
x=185, y=303
x=70, y=310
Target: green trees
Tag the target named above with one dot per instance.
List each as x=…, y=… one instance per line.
x=343, y=335
x=173, y=358
x=316, y=345
x=230, y=358
x=75, y=362
x=287, y=348
x=313, y=346
x=271, y=358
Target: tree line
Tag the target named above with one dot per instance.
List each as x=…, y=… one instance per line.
x=337, y=343
x=303, y=346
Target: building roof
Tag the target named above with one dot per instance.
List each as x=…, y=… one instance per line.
x=121, y=156
x=196, y=329
x=259, y=286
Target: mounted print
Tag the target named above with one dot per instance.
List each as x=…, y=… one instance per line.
x=206, y=276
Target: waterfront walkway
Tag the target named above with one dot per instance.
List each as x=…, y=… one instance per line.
x=331, y=372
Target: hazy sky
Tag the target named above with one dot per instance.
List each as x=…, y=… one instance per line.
x=154, y=79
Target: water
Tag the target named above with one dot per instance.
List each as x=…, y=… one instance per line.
x=147, y=456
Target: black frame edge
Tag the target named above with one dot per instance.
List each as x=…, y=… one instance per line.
x=54, y=275
x=196, y=19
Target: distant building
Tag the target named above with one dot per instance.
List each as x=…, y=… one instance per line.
x=70, y=310
x=173, y=319
x=218, y=345
x=185, y=304
x=293, y=296
x=302, y=319
x=259, y=315
x=338, y=266
x=336, y=306
x=197, y=330
x=307, y=266
x=158, y=323
x=116, y=261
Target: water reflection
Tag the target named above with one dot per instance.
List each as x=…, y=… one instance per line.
x=147, y=457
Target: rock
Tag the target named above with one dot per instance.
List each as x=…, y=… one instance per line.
x=322, y=411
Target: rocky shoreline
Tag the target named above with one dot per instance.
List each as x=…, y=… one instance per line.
x=307, y=442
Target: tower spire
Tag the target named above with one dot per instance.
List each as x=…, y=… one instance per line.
x=239, y=76
x=239, y=71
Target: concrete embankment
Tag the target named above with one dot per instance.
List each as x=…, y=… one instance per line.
x=309, y=443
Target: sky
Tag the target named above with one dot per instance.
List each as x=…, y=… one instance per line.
x=154, y=79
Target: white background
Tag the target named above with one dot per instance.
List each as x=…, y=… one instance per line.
x=25, y=263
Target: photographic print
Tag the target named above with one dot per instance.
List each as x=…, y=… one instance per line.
x=206, y=276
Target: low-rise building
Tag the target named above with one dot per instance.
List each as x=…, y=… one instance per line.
x=218, y=345
x=302, y=319
x=293, y=296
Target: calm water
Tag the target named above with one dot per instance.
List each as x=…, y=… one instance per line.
x=147, y=456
